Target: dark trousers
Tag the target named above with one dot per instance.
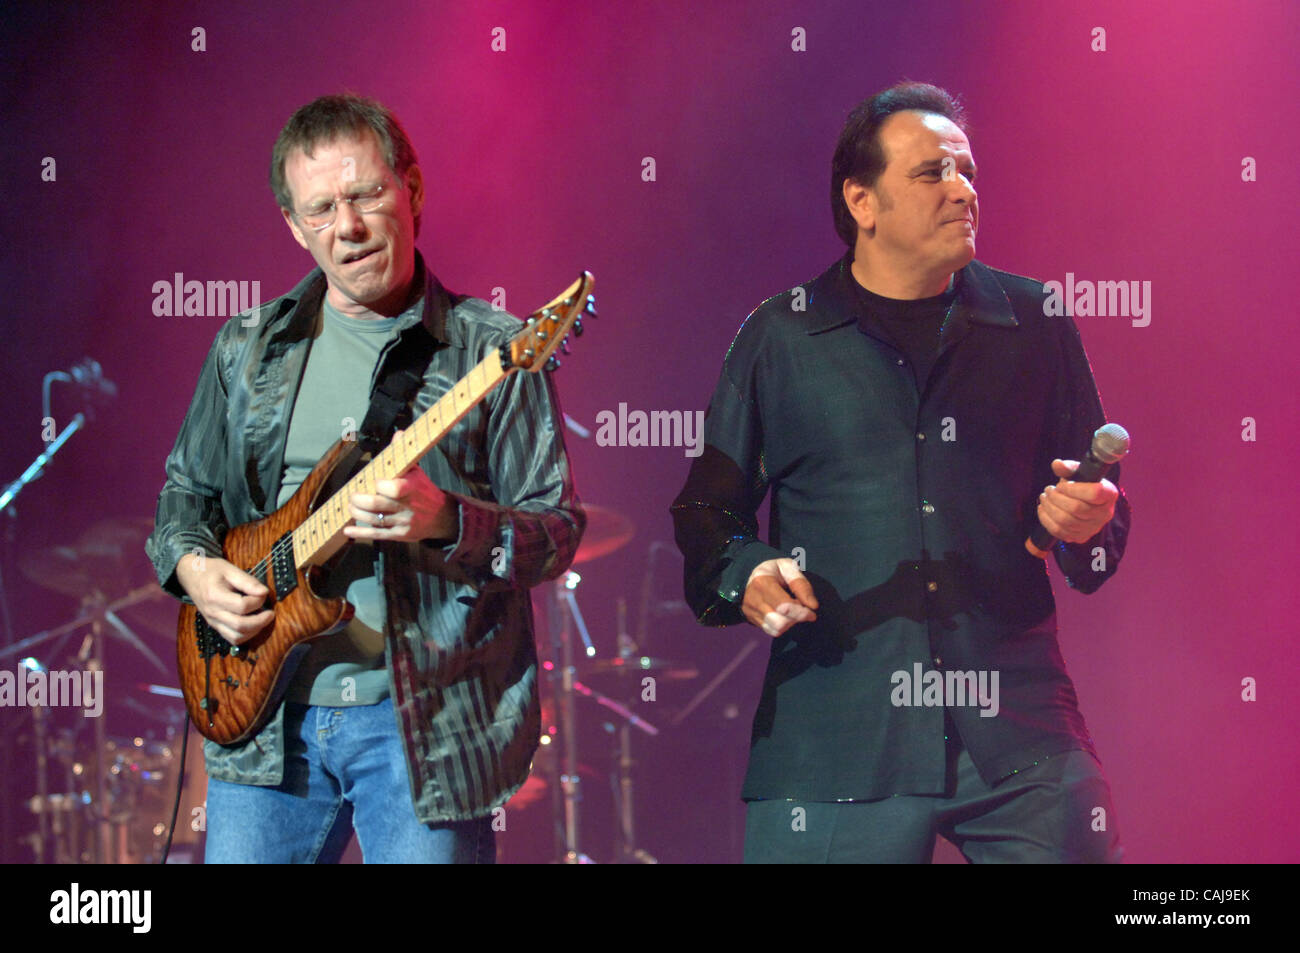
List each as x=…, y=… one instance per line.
x=1046, y=814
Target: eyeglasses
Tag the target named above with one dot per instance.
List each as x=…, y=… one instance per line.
x=321, y=217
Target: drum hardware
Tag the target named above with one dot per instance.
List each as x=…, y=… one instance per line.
x=89, y=816
x=571, y=678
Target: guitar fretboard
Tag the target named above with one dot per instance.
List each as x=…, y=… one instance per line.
x=321, y=534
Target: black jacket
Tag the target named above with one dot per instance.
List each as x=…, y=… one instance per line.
x=909, y=512
x=458, y=618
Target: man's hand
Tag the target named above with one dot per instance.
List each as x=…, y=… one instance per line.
x=405, y=510
x=1076, y=512
x=777, y=596
x=228, y=597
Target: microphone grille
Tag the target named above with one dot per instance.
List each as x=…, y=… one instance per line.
x=1110, y=443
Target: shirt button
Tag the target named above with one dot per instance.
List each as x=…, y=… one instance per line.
x=938, y=661
x=927, y=508
x=932, y=586
x=900, y=362
x=920, y=436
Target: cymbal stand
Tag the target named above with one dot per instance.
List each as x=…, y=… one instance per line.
x=625, y=849
x=40, y=731
x=92, y=657
x=564, y=616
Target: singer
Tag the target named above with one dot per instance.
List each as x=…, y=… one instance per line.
x=907, y=410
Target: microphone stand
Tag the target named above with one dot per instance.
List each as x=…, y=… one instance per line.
x=38, y=465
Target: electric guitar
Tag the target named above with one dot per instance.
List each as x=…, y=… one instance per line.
x=231, y=690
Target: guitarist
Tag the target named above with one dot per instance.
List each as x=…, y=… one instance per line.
x=417, y=720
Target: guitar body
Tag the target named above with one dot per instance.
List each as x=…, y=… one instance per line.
x=231, y=691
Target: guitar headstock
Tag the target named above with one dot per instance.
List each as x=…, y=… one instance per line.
x=547, y=328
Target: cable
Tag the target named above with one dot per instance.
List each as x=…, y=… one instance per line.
x=180, y=781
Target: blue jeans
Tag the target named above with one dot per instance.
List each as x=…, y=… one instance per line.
x=345, y=769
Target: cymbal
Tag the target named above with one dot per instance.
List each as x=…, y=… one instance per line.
x=607, y=530
x=636, y=664
x=100, y=560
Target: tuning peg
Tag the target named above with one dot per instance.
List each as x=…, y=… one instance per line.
x=564, y=344
x=552, y=362
x=591, y=305
x=577, y=327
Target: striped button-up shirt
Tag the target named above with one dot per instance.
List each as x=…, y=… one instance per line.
x=458, y=628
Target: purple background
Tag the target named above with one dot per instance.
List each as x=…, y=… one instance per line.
x=1118, y=165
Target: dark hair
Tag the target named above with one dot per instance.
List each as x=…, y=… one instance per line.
x=329, y=117
x=858, y=154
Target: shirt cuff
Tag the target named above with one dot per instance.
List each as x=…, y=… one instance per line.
x=481, y=550
x=180, y=544
x=739, y=557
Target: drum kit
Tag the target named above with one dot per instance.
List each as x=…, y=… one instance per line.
x=100, y=797
x=104, y=796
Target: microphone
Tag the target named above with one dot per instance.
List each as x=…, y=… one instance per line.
x=89, y=375
x=1109, y=445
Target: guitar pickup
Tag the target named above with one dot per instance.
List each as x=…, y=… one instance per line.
x=284, y=573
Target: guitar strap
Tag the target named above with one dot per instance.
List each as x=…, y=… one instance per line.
x=402, y=375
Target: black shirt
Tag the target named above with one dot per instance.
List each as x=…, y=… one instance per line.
x=909, y=508
x=911, y=325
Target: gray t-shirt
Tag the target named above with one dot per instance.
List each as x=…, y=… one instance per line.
x=347, y=667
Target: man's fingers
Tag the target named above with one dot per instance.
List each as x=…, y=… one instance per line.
x=1075, y=511
x=373, y=502
x=1086, y=501
x=392, y=490
x=1049, y=522
x=775, y=624
x=236, y=606
x=776, y=621
x=237, y=629
x=777, y=596
x=803, y=591
x=239, y=581
x=1063, y=506
x=1059, y=522
x=786, y=576
x=232, y=604
x=772, y=596
x=375, y=511
x=1065, y=525
x=770, y=607
x=1091, y=494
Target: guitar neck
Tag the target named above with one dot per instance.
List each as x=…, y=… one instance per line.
x=321, y=534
